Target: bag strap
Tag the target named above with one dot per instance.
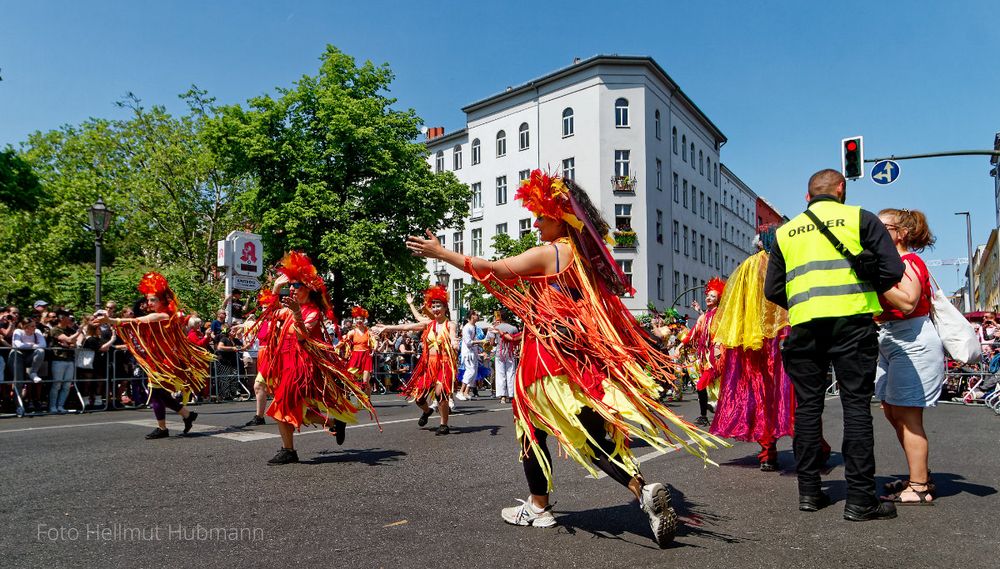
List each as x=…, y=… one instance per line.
x=830, y=236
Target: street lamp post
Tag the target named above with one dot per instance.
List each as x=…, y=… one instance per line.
x=100, y=219
x=971, y=305
x=442, y=277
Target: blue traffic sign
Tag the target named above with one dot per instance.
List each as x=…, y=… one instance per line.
x=885, y=172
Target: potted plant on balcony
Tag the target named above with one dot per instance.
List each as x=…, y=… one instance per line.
x=625, y=239
x=624, y=183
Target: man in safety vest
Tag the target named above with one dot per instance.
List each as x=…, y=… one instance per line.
x=831, y=309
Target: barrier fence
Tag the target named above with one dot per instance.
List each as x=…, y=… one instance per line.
x=105, y=381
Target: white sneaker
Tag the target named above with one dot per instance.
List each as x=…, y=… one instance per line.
x=434, y=404
x=528, y=515
x=655, y=502
x=461, y=397
x=35, y=378
x=451, y=403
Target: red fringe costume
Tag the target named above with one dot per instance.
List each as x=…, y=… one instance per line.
x=162, y=348
x=582, y=348
x=707, y=363
x=362, y=344
x=438, y=363
x=310, y=381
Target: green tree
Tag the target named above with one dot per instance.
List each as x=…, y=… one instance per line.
x=341, y=177
x=475, y=296
x=19, y=187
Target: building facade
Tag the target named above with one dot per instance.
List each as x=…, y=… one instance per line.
x=739, y=206
x=987, y=264
x=622, y=129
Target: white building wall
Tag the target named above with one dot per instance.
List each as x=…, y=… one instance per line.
x=592, y=94
x=739, y=215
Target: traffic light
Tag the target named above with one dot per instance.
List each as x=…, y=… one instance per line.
x=852, y=157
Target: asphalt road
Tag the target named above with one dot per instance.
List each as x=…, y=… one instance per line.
x=90, y=491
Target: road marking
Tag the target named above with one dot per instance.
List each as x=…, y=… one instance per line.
x=399, y=523
x=5, y=431
x=643, y=458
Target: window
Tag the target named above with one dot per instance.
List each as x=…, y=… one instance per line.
x=708, y=163
x=701, y=163
x=656, y=127
x=717, y=265
x=673, y=139
x=659, y=226
x=676, y=190
x=523, y=227
x=716, y=175
x=621, y=162
x=659, y=282
x=677, y=283
x=523, y=140
x=677, y=241
x=694, y=244
x=501, y=190
x=477, y=199
x=623, y=217
x=692, y=155
x=456, y=157
x=439, y=161
x=501, y=144
x=710, y=252
x=567, y=122
x=441, y=238
x=685, y=193
x=522, y=176
x=626, y=266
x=694, y=196
x=621, y=113
x=569, y=168
x=456, y=294
x=716, y=214
x=477, y=243
x=687, y=250
x=457, y=244
x=701, y=204
x=684, y=148
x=501, y=229
x=710, y=209
x=725, y=229
x=476, y=155
x=659, y=175
x=687, y=285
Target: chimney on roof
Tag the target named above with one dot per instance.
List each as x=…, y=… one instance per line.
x=576, y=60
x=435, y=132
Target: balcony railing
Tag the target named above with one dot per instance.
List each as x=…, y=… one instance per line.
x=625, y=239
x=624, y=183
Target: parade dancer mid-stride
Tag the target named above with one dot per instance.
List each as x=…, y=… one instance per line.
x=161, y=348
x=589, y=375
x=434, y=374
x=310, y=381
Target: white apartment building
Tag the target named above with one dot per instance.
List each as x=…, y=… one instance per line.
x=739, y=210
x=623, y=129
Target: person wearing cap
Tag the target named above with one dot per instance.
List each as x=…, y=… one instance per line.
x=40, y=307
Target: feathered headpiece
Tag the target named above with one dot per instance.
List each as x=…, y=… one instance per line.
x=297, y=267
x=359, y=312
x=435, y=293
x=716, y=285
x=548, y=196
x=266, y=297
x=155, y=283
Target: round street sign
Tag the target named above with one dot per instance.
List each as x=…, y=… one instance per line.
x=885, y=172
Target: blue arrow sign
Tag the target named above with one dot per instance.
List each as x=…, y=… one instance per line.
x=885, y=172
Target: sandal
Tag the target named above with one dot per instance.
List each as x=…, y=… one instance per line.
x=897, y=486
x=924, y=497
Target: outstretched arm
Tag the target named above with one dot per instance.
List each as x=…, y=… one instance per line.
x=535, y=261
x=417, y=313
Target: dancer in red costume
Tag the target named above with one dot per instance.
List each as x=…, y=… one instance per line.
x=434, y=374
x=588, y=371
x=310, y=381
x=361, y=342
x=706, y=356
x=161, y=348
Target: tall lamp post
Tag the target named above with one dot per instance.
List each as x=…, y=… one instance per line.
x=100, y=219
x=972, y=281
x=442, y=277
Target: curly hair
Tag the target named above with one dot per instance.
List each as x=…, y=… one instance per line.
x=917, y=235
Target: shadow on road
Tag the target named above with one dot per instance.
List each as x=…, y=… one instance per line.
x=950, y=484
x=371, y=457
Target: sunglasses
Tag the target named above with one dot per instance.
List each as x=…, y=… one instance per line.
x=296, y=285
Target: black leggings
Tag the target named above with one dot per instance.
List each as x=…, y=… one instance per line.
x=594, y=424
x=703, y=402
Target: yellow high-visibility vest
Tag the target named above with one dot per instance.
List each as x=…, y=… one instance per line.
x=819, y=281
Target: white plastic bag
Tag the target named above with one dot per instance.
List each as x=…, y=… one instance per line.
x=957, y=334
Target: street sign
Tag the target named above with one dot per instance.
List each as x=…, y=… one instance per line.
x=885, y=172
x=221, y=259
x=247, y=255
x=245, y=283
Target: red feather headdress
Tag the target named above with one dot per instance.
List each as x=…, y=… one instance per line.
x=435, y=293
x=716, y=284
x=297, y=267
x=359, y=312
x=547, y=196
x=155, y=283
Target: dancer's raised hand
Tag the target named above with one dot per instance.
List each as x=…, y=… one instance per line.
x=430, y=247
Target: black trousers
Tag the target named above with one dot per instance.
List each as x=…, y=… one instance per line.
x=851, y=345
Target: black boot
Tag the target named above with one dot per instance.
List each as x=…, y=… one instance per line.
x=284, y=456
x=158, y=433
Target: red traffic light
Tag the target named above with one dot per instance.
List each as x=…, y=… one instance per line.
x=852, y=145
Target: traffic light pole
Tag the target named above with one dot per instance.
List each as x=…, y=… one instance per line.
x=937, y=154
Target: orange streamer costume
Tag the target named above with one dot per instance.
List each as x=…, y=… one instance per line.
x=310, y=381
x=582, y=348
x=162, y=348
x=362, y=344
x=438, y=363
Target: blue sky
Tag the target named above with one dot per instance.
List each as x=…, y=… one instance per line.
x=785, y=81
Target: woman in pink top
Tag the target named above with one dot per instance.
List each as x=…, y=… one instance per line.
x=911, y=362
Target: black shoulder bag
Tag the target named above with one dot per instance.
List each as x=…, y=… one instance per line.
x=865, y=263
